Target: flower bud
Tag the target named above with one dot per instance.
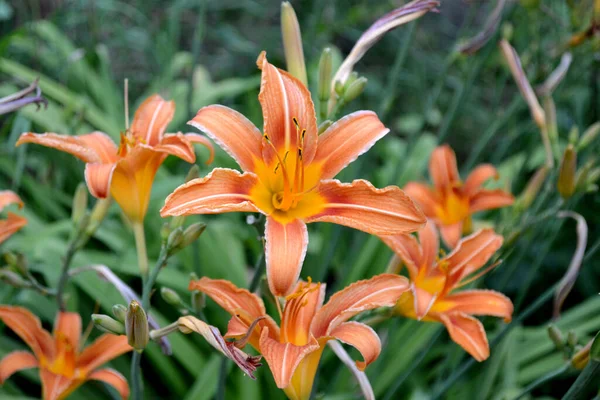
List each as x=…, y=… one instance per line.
x=571, y=338
x=355, y=89
x=338, y=86
x=574, y=136
x=556, y=337
x=170, y=296
x=136, y=326
x=533, y=188
x=324, y=126
x=80, y=203
x=165, y=231
x=583, y=175
x=174, y=241
x=107, y=324
x=581, y=357
x=13, y=279
x=120, y=312
x=198, y=300
x=325, y=67
x=566, y=177
x=590, y=134
x=192, y=233
x=193, y=173
x=17, y=261
x=292, y=43
x=97, y=216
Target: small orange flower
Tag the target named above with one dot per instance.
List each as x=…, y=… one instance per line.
x=63, y=367
x=288, y=175
x=127, y=171
x=13, y=222
x=434, y=280
x=293, y=352
x=451, y=202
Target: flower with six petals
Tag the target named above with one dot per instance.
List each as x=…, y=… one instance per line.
x=433, y=280
x=63, y=367
x=294, y=350
x=13, y=222
x=451, y=202
x=127, y=171
x=288, y=174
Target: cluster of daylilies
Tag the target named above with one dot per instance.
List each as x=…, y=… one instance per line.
x=287, y=176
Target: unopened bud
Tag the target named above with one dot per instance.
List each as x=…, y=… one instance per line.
x=120, y=312
x=574, y=136
x=556, y=337
x=136, y=326
x=193, y=173
x=107, y=324
x=350, y=80
x=325, y=67
x=583, y=174
x=590, y=134
x=507, y=31
x=97, y=216
x=17, y=261
x=165, y=231
x=338, y=86
x=566, y=177
x=80, y=203
x=355, y=89
x=198, y=300
x=581, y=357
x=13, y=279
x=571, y=338
x=192, y=233
x=170, y=296
x=533, y=188
x=292, y=42
x=593, y=176
x=174, y=241
x=324, y=126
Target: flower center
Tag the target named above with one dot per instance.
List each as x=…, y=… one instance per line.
x=454, y=207
x=64, y=361
x=128, y=142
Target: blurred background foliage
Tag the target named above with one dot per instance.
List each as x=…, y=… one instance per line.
x=201, y=52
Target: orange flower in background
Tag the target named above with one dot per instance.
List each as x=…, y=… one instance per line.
x=450, y=202
x=13, y=222
x=294, y=350
x=288, y=175
x=63, y=367
x=127, y=171
x=434, y=280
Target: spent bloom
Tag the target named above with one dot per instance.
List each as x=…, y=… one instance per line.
x=63, y=367
x=434, y=281
x=127, y=171
x=288, y=174
x=450, y=202
x=293, y=349
x=13, y=222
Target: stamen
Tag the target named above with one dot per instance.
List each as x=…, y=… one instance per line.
x=478, y=275
x=244, y=340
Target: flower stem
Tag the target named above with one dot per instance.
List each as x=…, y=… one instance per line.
x=137, y=384
x=140, y=244
x=64, y=274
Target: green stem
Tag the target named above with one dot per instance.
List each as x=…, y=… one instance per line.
x=586, y=382
x=543, y=379
x=137, y=384
x=140, y=245
x=259, y=269
x=64, y=274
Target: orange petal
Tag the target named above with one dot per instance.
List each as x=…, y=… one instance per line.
x=177, y=145
x=490, y=199
x=478, y=177
x=468, y=333
x=423, y=301
x=8, y=197
x=299, y=311
x=114, y=379
x=101, y=351
x=285, y=249
x=362, y=337
x=283, y=358
x=430, y=243
x=102, y=144
x=347, y=139
x=98, y=178
x=442, y=167
x=423, y=196
x=380, y=291
x=472, y=252
x=451, y=234
x=28, y=327
x=204, y=141
x=480, y=302
x=407, y=248
x=68, y=325
x=283, y=97
x=10, y=225
x=360, y=205
x=151, y=119
x=73, y=145
x=14, y=362
x=56, y=387
x=233, y=132
x=221, y=191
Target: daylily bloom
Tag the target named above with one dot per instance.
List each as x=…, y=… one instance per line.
x=450, y=202
x=288, y=175
x=127, y=171
x=63, y=367
x=13, y=222
x=293, y=352
x=434, y=281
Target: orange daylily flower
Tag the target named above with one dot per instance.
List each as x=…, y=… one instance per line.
x=288, y=174
x=127, y=171
x=294, y=350
x=434, y=281
x=63, y=367
x=451, y=202
x=13, y=222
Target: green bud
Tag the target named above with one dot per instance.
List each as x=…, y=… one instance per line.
x=595, y=350
x=107, y=324
x=97, y=216
x=572, y=339
x=193, y=173
x=338, y=86
x=566, y=177
x=198, y=300
x=507, y=31
x=120, y=312
x=80, y=203
x=292, y=43
x=165, y=231
x=574, y=135
x=170, y=296
x=136, y=326
x=325, y=67
x=592, y=176
x=350, y=80
x=533, y=188
x=177, y=221
x=83, y=225
x=192, y=233
x=590, y=134
x=583, y=173
x=355, y=89
x=556, y=336
x=174, y=241
x=11, y=259
x=193, y=276
x=324, y=126
x=13, y=279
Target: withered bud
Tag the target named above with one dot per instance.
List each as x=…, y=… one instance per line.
x=107, y=324
x=566, y=177
x=136, y=326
